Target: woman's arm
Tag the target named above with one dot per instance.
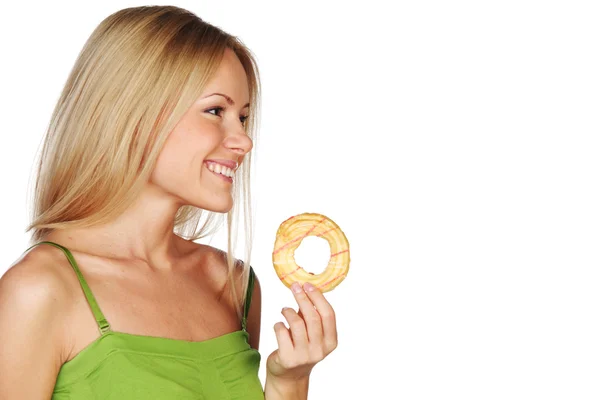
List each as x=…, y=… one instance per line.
x=311, y=336
x=32, y=301
x=254, y=315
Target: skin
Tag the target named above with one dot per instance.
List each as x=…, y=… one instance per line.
x=139, y=270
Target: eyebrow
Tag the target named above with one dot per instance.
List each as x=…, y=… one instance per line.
x=229, y=99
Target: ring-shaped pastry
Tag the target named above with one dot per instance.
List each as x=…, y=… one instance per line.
x=290, y=234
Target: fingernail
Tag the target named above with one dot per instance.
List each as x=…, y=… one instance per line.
x=308, y=287
x=284, y=308
x=296, y=287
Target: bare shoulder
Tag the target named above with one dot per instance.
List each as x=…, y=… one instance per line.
x=34, y=280
x=36, y=287
x=34, y=297
x=215, y=262
x=218, y=262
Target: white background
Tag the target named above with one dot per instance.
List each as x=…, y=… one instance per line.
x=455, y=143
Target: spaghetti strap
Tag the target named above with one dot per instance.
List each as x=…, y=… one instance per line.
x=248, y=298
x=103, y=324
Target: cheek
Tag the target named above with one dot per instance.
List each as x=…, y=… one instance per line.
x=198, y=138
x=174, y=161
x=184, y=151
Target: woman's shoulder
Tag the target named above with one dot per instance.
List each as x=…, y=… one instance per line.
x=214, y=262
x=39, y=281
x=37, y=274
x=35, y=295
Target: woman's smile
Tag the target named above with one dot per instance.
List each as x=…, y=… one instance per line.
x=224, y=170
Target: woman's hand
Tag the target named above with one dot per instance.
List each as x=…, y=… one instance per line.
x=311, y=336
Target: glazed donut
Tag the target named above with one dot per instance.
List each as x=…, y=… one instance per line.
x=290, y=234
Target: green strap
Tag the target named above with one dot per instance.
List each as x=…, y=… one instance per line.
x=248, y=298
x=103, y=325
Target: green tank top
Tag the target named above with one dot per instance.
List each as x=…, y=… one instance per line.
x=125, y=366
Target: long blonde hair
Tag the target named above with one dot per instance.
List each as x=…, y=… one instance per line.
x=136, y=76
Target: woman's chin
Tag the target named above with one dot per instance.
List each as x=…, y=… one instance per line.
x=223, y=208
x=219, y=203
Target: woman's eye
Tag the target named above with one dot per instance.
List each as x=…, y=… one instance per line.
x=219, y=109
x=216, y=108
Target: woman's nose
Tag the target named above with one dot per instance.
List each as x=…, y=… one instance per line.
x=239, y=141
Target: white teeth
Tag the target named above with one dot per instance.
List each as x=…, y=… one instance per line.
x=221, y=169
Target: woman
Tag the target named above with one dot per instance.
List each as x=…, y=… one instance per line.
x=150, y=139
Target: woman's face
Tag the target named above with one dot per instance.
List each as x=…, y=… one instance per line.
x=198, y=162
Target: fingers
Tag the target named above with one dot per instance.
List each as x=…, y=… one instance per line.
x=284, y=339
x=312, y=332
x=327, y=316
x=297, y=329
x=310, y=315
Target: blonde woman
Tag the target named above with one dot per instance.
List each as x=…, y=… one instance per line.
x=148, y=146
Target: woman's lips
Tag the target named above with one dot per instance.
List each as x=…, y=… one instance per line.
x=221, y=176
x=227, y=163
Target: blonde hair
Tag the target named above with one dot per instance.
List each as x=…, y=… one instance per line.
x=136, y=76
